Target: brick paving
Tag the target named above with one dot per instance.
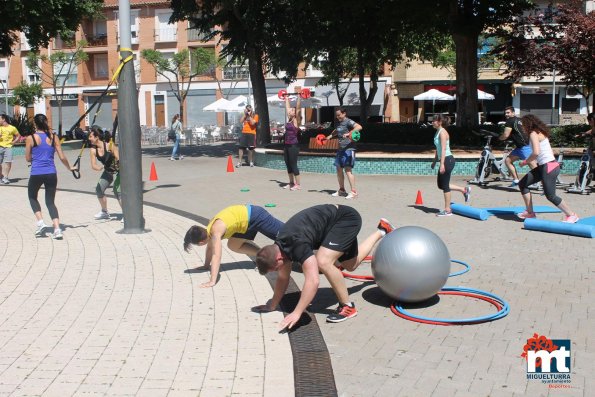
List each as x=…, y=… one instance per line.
x=80, y=316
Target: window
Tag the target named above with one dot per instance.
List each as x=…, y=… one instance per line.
x=172, y=76
x=100, y=66
x=29, y=75
x=3, y=71
x=235, y=70
x=133, y=25
x=25, y=46
x=65, y=74
x=164, y=31
x=209, y=72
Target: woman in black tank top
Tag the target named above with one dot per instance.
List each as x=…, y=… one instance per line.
x=106, y=154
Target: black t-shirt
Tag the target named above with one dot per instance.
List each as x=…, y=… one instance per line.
x=517, y=135
x=305, y=231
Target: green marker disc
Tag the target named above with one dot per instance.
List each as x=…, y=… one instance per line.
x=270, y=205
x=244, y=189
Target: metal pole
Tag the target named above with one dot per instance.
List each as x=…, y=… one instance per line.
x=554, y=95
x=6, y=86
x=248, y=87
x=129, y=124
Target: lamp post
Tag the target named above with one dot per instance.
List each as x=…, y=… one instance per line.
x=553, y=95
x=129, y=122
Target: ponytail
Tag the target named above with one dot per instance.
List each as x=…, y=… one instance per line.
x=41, y=123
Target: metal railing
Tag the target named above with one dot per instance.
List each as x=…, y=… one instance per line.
x=164, y=35
x=196, y=35
x=96, y=40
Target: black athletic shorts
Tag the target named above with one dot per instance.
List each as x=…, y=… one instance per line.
x=247, y=141
x=342, y=236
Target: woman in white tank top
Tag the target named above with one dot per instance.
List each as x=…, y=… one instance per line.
x=547, y=170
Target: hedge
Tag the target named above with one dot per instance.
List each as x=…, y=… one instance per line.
x=423, y=134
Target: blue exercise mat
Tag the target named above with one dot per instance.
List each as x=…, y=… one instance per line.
x=583, y=228
x=484, y=213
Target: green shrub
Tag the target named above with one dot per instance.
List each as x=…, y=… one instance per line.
x=23, y=124
x=423, y=135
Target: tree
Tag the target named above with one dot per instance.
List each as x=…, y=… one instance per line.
x=254, y=31
x=337, y=66
x=399, y=32
x=466, y=20
x=26, y=94
x=59, y=67
x=181, y=69
x=42, y=20
x=560, y=40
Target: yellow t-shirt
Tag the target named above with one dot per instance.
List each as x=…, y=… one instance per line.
x=7, y=135
x=247, y=128
x=235, y=217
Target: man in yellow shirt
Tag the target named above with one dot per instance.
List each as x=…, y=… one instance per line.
x=248, y=138
x=239, y=224
x=8, y=136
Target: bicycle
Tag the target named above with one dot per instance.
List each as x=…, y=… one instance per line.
x=585, y=173
x=488, y=163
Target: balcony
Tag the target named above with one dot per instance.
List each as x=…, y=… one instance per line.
x=96, y=40
x=61, y=43
x=196, y=35
x=166, y=35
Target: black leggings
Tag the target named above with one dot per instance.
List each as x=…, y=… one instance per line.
x=444, y=179
x=50, y=182
x=290, y=155
x=548, y=180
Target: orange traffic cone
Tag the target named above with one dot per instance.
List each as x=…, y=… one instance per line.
x=153, y=175
x=418, y=199
x=229, y=164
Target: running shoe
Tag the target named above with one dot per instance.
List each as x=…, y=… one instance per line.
x=5, y=181
x=352, y=194
x=339, y=193
x=342, y=313
x=181, y=157
x=571, y=219
x=40, y=230
x=444, y=213
x=295, y=187
x=385, y=226
x=238, y=165
x=288, y=186
x=102, y=215
x=526, y=215
x=515, y=183
x=251, y=164
x=467, y=194
x=172, y=159
x=57, y=234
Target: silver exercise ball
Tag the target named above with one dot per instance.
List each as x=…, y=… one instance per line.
x=411, y=264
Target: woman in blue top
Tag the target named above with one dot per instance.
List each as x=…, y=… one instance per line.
x=39, y=151
x=291, y=149
x=447, y=163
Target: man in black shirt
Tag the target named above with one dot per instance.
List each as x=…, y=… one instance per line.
x=331, y=230
x=514, y=130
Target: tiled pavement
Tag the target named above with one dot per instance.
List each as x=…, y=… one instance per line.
x=102, y=313
x=82, y=322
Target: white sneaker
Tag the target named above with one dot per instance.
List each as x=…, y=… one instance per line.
x=40, y=230
x=181, y=157
x=5, y=181
x=102, y=215
x=339, y=193
x=57, y=234
x=251, y=164
x=352, y=194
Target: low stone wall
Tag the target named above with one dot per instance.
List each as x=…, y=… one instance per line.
x=383, y=164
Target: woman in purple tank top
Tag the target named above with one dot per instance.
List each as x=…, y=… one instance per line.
x=39, y=151
x=291, y=149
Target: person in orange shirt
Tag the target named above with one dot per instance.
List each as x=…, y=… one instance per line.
x=248, y=138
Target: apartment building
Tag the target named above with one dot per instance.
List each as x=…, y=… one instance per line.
x=157, y=104
x=549, y=98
